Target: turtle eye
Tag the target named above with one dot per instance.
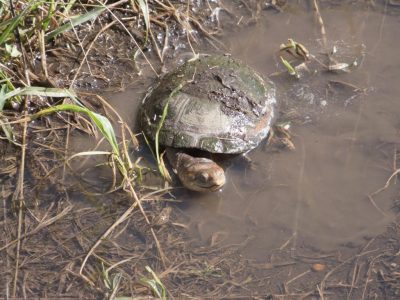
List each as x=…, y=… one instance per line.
x=203, y=177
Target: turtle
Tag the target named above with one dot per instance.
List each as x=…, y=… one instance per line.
x=214, y=104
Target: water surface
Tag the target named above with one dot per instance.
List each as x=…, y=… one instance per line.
x=346, y=142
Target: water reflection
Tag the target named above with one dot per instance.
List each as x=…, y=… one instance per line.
x=316, y=195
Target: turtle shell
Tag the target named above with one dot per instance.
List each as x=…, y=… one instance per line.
x=216, y=104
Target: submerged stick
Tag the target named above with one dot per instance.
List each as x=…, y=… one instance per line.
x=386, y=184
x=18, y=200
x=40, y=226
x=321, y=24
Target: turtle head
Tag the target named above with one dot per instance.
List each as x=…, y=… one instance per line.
x=200, y=174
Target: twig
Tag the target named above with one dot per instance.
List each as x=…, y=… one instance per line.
x=7, y=277
x=395, y=162
x=18, y=200
x=166, y=39
x=322, y=285
x=127, y=213
x=82, y=48
x=39, y=227
x=88, y=50
x=66, y=149
x=320, y=292
x=130, y=34
x=297, y=277
x=121, y=219
x=189, y=31
x=43, y=58
x=376, y=206
x=369, y=273
x=321, y=24
x=386, y=184
x=354, y=279
x=154, y=41
x=18, y=196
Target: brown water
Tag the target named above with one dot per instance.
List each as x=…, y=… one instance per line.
x=317, y=195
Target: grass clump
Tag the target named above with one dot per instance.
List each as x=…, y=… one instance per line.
x=51, y=53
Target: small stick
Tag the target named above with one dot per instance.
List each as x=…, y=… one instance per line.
x=321, y=24
x=369, y=273
x=376, y=206
x=39, y=227
x=7, y=276
x=165, y=47
x=129, y=33
x=83, y=50
x=320, y=292
x=42, y=47
x=90, y=48
x=386, y=184
x=66, y=150
x=18, y=196
x=354, y=279
x=297, y=277
x=127, y=213
x=395, y=162
x=345, y=84
x=357, y=256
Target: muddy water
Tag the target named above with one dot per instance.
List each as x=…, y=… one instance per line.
x=316, y=196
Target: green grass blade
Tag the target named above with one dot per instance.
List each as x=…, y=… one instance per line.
x=3, y=99
x=149, y=146
x=7, y=22
x=9, y=86
x=288, y=66
x=75, y=21
x=51, y=10
x=8, y=31
x=101, y=122
x=157, y=135
x=144, y=7
x=155, y=284
x=105, y=127
x=69, y=6
x=41, y=91
x=162, y=119
x=15, y=21
x=7, y=130
x=160, y=124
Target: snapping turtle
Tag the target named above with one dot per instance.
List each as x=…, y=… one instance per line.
x=215, y=104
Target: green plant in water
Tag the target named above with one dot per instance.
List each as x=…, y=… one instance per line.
x=160, y=124
x=295, y=49
x=75, y=21
x=11, y=24
x=6, y=87
x=289, y=67
x=111, y=282
x=144, y=7
x=154, y=284
x=101, y=122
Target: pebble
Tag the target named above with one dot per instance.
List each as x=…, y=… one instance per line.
x=318, y=267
